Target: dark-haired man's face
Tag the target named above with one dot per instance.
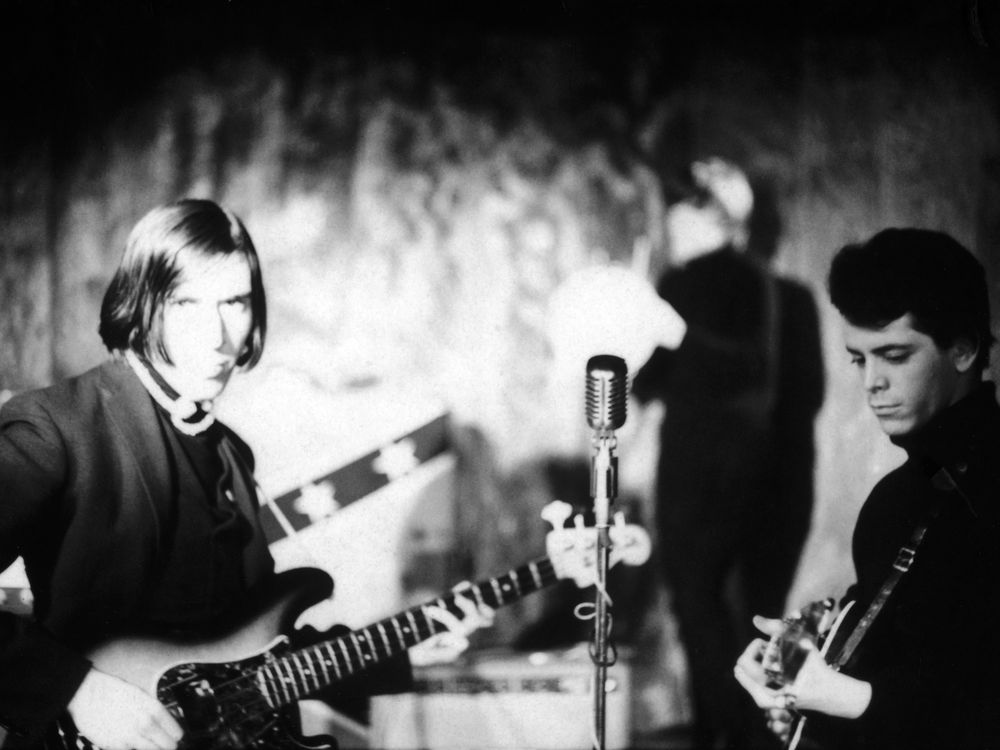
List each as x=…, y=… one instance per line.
x=906, y=376
x=206, y=322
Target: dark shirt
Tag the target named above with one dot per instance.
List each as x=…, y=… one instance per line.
x=931, y=655
x=202, y=575
x=723, y=361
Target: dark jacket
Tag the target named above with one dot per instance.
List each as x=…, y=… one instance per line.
x=86, y=494
x=722, y=365
x=931, y=655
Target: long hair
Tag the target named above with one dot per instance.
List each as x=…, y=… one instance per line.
x=150, y=268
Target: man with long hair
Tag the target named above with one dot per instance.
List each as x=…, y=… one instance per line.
x=134, y=509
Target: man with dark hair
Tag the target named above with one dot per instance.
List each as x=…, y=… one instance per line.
x=134, y=510
x=919, y=668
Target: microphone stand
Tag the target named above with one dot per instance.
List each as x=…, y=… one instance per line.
x=604, y=481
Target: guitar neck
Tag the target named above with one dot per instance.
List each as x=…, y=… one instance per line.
x=300, y=673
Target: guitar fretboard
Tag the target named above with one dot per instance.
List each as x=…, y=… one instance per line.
x=303, y=672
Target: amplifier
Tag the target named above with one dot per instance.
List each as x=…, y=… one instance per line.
x=502, y=699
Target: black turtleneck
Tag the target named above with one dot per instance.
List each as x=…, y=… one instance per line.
x=930, y=655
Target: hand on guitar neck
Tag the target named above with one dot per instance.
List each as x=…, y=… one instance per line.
x=231, y=691
x=447, y=646
x=788, y=673
x=116, y=715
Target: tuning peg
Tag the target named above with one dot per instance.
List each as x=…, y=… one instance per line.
x=556, y=513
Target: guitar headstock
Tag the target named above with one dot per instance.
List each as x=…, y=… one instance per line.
x=573, y=549
x=787, y=650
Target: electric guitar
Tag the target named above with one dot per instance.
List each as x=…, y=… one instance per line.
x=232, y=691
x=787, y=650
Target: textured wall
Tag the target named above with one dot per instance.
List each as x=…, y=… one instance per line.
x=415, y=206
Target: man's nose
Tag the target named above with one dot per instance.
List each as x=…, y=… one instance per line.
x=214, y=331
x=875, y=378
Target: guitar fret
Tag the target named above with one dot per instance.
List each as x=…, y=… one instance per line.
x=276, y=683
x=385, y=639
x=496, y=590
x=522, y=585
x=299, y=679
x=292, y=682
x=310, y=671
x=274, y=674
x=399, y=632
x=282, y=681
x=535, y=575
x=428, y=621
x=413, y=626
x=263, y=686
x=347, y=657
x=478, y=596
x=357, y=647
x=517, y=584
x=368, y=636
x=322, y=666
x=333, y=659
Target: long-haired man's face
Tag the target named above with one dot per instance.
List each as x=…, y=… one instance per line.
x=907, y=377
x=207, y=319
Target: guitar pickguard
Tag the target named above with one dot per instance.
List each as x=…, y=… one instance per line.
x=220, y=705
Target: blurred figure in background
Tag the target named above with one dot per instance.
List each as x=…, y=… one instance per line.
x=734, y=477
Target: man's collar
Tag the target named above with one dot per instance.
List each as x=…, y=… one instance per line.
x=189, y=417
x=945, y=438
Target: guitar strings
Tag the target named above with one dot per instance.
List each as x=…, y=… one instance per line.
x=249, y=677
x=245, y=685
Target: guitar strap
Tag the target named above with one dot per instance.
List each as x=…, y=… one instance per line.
x=904, y=560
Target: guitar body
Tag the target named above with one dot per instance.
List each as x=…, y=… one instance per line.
x=209, y=685
x=237, y=688
x=784, y=648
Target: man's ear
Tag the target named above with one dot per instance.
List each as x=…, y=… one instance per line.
x=963, y=353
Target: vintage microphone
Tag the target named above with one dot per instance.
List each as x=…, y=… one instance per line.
x=606, y=404
x=611, y=318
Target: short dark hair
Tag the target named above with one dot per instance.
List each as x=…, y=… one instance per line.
x=132, y=310
x=924, y=273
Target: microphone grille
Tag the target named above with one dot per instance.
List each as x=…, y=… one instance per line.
x=607, y=392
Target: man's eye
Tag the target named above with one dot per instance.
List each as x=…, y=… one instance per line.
x=857, y=361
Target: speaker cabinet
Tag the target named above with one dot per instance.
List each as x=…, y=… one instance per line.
x=536, y=701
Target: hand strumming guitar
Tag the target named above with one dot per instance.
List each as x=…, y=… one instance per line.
x=816, y=686
x=116, y=715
